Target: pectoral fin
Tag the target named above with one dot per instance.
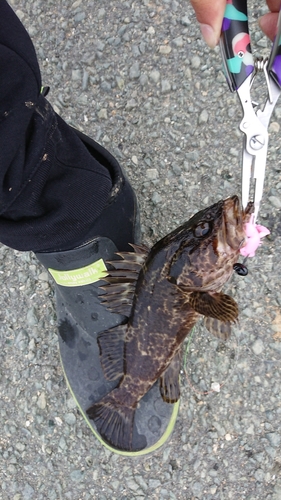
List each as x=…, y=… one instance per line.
x=216, y=305
x=218, y=328
x=169, y=380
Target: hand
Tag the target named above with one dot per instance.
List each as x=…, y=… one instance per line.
x=210, y=14
x=268, y=22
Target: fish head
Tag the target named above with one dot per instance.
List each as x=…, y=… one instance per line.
x=205, y=248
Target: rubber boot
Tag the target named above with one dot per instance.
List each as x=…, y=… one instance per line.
x=78, y=274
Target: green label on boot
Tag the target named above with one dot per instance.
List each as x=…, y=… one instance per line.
x=82, y=276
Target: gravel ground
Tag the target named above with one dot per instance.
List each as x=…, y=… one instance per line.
x=136, y=76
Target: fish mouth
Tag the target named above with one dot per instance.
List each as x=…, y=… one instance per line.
x=234, y=217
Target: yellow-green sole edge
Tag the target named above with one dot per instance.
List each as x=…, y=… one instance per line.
x=146, y=451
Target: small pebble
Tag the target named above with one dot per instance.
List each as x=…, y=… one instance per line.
x=80, y=16
x=165, y=49
x=131, y=104
x=178, y=42
x=154, y=75
x=85, y=80
x=185, y=21
x=156, y=198
x=215, y=386
x=102, y=114
x=154, y=483
x=76, y=75
x=31, y=317
x=115, y=484
x=20, y=14
x=41, y=401
x=165, y=86
x=274, y=439
x=120, y=82
x=195, y=62
x=105, y=86
x=259, y=475
x=140, y=480
x=101, y=13
x=196, y=488
x=274, y=127
x=27, y=492
x=134, y=71
x=70, y=418
x=275, y=201
x=203, y=117
x=250, y=430
x=76, y=4
x=77, y=475
x=176, y=169
x=257, y=346
x=22, y=340
x=43, y=276
x=132, y=485
x=143, y=79
x=166, y=453
x=20, y=447
x=62, y=443
x=234, y=152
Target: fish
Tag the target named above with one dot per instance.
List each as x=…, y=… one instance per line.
x=162, y=292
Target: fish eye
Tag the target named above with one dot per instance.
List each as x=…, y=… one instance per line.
x=202, y=229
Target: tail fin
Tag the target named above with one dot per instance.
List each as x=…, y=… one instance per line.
x=113, y=421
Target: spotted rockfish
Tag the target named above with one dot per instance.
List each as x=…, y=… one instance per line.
x=162, y=292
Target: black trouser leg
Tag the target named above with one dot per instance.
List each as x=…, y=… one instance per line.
x=51, y=187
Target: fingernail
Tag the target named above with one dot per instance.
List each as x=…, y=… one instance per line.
x=209, y=35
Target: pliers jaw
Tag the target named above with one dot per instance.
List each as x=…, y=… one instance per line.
x=253, y=170
x=254, y=149
x=240, y=69
x=256, y=141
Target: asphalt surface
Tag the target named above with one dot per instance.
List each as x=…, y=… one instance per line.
x=136, y=76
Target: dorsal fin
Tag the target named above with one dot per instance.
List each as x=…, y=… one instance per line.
x=120, y=290
x=140, y=249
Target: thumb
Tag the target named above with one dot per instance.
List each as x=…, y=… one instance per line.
x=209, y=13
x=268, y=24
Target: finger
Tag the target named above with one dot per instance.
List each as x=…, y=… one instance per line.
x=273, y=5
x=268, y=24
x=209, y=13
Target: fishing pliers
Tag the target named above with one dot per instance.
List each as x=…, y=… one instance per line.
x=240, y=69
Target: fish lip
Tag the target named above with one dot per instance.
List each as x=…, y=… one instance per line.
x=248, y=211
x=246, y=214
x=233, y=219
x=232, y=210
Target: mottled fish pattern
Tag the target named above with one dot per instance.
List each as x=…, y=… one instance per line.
x=162, y=292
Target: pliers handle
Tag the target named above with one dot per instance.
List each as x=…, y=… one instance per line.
x=240, y=69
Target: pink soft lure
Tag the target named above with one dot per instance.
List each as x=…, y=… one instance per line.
x=254, y=233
